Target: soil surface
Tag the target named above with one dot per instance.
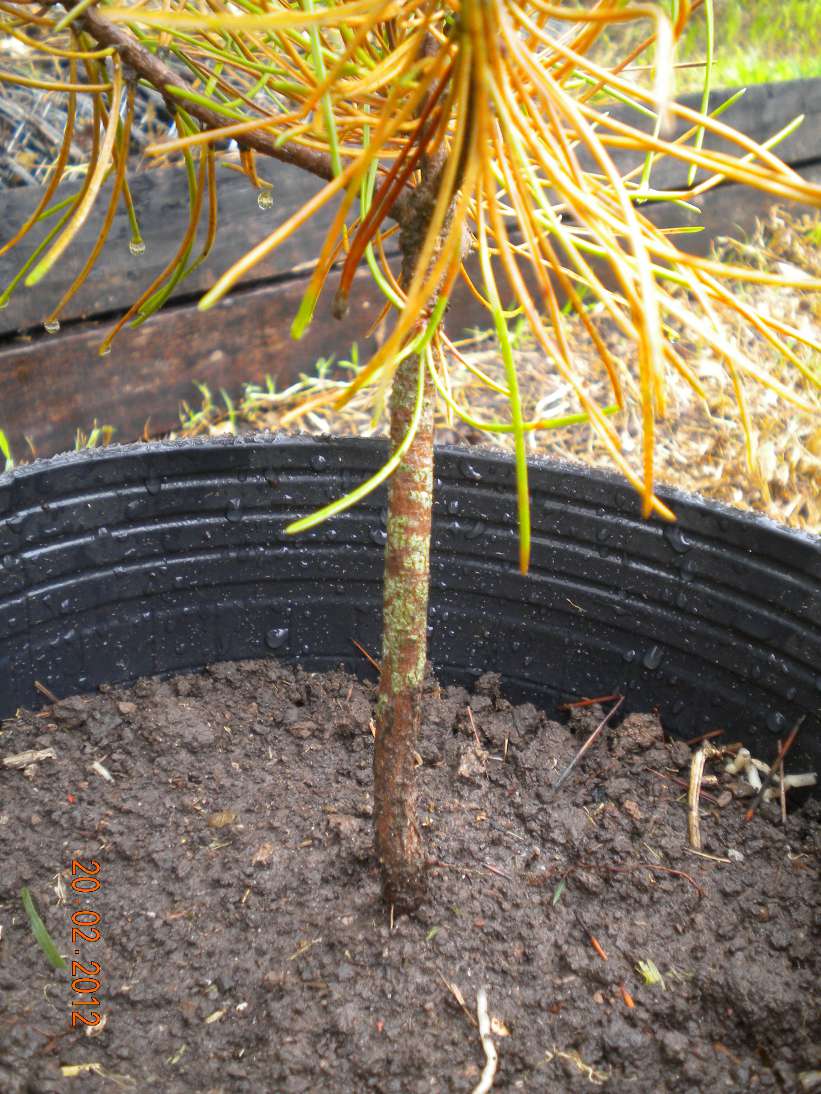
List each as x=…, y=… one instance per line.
x=242, y=942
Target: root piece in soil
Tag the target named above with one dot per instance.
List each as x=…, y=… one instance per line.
x=693, y=795
x=491, y=1057
x=771, y=774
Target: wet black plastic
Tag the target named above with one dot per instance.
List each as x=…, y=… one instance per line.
x=163, y=557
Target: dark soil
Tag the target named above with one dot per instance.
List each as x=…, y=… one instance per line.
x=244, y=947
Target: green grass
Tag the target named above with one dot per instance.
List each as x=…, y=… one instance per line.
x=757, y=41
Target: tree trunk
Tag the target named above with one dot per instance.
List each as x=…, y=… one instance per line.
x=399, y=844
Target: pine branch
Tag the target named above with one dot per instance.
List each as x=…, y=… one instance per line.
x=150, y=68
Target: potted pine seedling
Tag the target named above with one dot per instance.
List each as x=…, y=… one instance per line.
x=465, y=133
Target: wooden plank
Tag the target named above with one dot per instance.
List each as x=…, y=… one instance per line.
x=161, y=199
x=49, y=387
x=725, y=211
x=763, y=111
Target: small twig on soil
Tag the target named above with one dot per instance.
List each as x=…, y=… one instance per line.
x=303, y=947
x=588, y=743
x=783, y=749
x=489, y=1073
x=31, y=756
x=499, y=873
x=49, y=694
x=683, y=783
x=712, y=858
x=588, y=702
x=705, y=737
x=782, y=790
x=471, y=869
x=367, y=656
x=479, y=748
x=694, y=790
x=646, y=866
x=457, y=995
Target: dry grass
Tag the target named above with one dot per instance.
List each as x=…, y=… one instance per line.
x=700, y=450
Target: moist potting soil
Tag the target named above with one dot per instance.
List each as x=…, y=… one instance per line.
x=242, y=945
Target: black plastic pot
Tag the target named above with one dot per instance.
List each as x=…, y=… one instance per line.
x=163, y=557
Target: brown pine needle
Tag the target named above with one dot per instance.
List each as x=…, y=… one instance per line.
x=366, y=655
x=594, y=942
x=588, y=743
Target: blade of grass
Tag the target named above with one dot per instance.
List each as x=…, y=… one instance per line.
x=41, y=935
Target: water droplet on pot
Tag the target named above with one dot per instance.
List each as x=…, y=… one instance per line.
x=677, y=539
x=276, y=637
x=776, y=723
x=653, y=658
x=52, y=325
x=379, y=536
x=755, y=672
x=791, y=693
x=681, y=600
x=137, y=247
x=265, y=199
x=603, y=534
x=629, y=655
x=475, y=531
x=233, y=512
x=132, y=509
x=319, y=462
x=153, y=486
x=469, y=470
x=453, y=506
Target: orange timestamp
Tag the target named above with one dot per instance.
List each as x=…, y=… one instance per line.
x=85, y=974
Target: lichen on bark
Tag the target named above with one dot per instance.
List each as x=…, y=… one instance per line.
x=399, y=844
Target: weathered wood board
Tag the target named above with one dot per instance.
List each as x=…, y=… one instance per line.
x=52, y=384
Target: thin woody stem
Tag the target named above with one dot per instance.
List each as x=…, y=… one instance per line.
x=154, y=71
x=399, y=844
x=150, y=68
